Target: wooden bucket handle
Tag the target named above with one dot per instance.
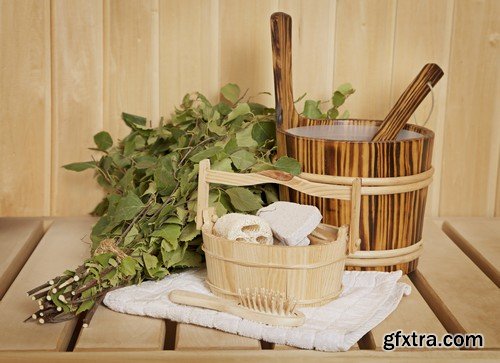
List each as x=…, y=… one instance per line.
x=281, y=39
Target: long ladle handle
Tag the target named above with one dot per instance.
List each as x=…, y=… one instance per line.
x=408, y=102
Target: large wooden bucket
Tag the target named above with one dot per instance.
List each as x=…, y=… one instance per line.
x=394, y=174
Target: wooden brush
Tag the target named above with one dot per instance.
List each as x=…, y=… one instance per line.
x=261, y=305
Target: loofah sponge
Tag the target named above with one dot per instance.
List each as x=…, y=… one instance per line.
x=244, y=228
x=291, y=222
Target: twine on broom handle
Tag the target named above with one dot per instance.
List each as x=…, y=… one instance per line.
x=109, y=245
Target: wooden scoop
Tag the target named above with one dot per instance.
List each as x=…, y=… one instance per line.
x=408, y=102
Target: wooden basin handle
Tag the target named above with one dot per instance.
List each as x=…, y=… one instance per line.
x=277, y=174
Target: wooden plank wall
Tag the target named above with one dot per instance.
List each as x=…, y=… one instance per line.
x=69, y=68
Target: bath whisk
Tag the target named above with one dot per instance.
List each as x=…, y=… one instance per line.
x=261, y=305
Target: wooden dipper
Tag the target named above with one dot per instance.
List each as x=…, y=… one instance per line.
x=408, y=102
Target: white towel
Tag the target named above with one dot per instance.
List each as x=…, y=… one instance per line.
x=367, y=299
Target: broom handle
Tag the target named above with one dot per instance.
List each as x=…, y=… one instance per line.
x=281, y=39
x=408, y=102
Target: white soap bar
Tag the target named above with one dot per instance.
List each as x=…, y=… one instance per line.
x=291, y=222
x=244, y=228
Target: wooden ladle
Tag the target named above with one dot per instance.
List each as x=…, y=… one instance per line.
x=408, y=102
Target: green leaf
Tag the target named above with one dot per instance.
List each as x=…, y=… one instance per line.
x=311, y=110
x=189, y=232
x=271, y=193
x=151, y=188
x=261, y=167
x=190, y=259
x=243, y=159
x=128, y=266
x=174, y=220
x=243, y=199
x=133, y=119
x=289, y=165
x=100, y=209
x=223, y=165
x=231, y=92
x=103, y=140
x=164, y=180
x=103, y=258
x=84, y=306
x=128, y=207
x=240, y=110
x=181, y=213
x=80, y=166
x=169, y=233
x=346, y=89
x=127, y=180
x=220, y=209
x=244, y=138
x=263, y=132
x=130, y=235
x=338, y=99
x=150, y=262
x=215, y=128
x=205, y=154
x=231, y=146
x=332, y=113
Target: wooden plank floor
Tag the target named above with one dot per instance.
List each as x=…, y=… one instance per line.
x=463, y=297
x=454, y=290
x=110, y=331
x=59, y=248
x=412, y=314
x=18, y=239
x=478, y=238
x=192, y=337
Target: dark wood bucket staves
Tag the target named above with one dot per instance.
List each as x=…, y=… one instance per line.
x=394, y=174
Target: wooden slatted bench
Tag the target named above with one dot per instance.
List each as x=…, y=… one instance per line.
x=455, y=290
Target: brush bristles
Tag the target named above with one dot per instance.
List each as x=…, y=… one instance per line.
x=267, y=301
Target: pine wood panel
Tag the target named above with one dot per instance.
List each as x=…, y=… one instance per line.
x=479, y=238
x=422, y=35
x=464, y=298
x=189, y=51
x=24, y=107
x=59, y=249
x=313, y=30
x=470, y=133
x=497, y=204
x=77, y=102
x=364, y=36
x=245, y=46
x=193, y=337
x=130, y=62
x=18, y=238
x=111, y=331
x=412, y=314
